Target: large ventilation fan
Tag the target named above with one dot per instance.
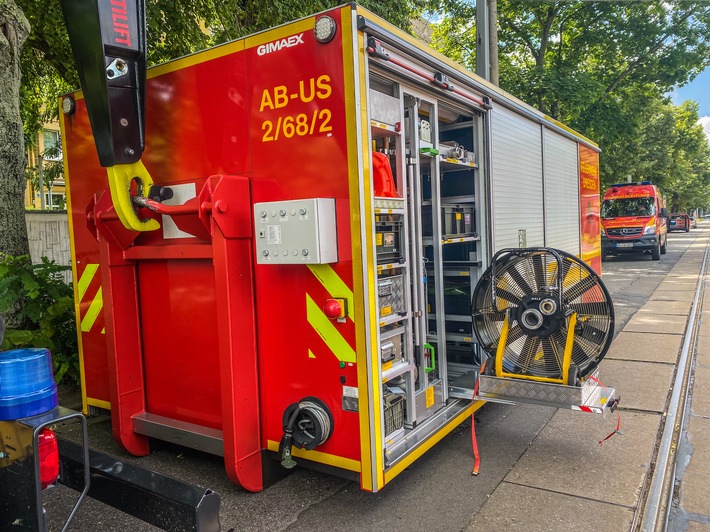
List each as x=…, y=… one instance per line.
x=530, y=298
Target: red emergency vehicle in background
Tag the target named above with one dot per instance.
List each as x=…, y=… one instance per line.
x=246, y=288
x=679, y=221
x=634, y=219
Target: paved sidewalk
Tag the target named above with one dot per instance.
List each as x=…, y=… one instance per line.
x=566, y=480
x=692, y=503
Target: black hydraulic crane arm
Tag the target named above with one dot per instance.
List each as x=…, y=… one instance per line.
x=108, y=38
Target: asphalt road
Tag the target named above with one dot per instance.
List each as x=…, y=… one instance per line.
x=436, y=492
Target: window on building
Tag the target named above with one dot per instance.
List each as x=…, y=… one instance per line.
x=52, y=145
x=55, y=201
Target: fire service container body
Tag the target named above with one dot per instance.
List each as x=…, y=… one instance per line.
x=251, y=324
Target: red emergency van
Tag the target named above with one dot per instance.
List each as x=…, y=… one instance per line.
x=634, y=219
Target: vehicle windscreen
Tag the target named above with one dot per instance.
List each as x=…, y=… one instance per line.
x=614, y=208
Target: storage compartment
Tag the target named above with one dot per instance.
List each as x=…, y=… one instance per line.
x=459, y=327
x=393, y=412
x=390, y=295
x=392, y=346
x=429, y=401
x=388, y=238
x=456, y=220
x=457, y=294
x=384, y=108
x=462, y=328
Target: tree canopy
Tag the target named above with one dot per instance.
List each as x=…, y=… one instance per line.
x=174, y=29
x=605, y=69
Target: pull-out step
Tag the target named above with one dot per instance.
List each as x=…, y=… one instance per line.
x=591, y=396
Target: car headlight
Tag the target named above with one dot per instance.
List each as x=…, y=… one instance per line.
x=650, y=230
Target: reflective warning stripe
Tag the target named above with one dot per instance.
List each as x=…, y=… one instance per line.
x=90, y=318
x=327, y=331
x=335, y=286
x=86, y=278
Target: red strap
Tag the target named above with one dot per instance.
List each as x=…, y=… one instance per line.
x=474, y=443
x=617, y=430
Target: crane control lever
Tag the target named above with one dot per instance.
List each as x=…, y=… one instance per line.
x=108, y=39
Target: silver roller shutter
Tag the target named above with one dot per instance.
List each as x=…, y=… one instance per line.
x=516, y=179
x=561, y=193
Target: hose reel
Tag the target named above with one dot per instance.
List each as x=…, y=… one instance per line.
x=307, y=424
x=543, y=314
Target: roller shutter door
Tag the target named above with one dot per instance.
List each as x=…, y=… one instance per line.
x=516, y=179
x=561, y=193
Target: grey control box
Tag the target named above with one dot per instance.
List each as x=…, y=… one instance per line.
x=296, y=231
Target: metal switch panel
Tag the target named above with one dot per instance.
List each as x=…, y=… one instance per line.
x=296, y=232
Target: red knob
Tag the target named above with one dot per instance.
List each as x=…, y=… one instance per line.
x=332, y=308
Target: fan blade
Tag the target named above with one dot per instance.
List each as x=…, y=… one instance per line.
x=590, y=309
x=576, y=290
x=520, y=280
x=539, y=270
x=515, y=333
x=592, y=334
x=528, y=352
x=510, y=297
x=552, y=355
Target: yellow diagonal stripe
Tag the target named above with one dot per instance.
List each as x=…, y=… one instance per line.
x=325, y=328
x=90, y=318
x=86, y=278
x=332, y=282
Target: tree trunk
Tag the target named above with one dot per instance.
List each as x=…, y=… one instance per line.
x=14, y=29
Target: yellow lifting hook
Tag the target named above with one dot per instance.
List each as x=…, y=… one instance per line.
x=120, y=179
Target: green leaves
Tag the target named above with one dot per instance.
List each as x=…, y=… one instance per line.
x=39, y=307
x=605, y=69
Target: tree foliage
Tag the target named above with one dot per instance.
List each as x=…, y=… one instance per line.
x=174, y=29
x=604, y=68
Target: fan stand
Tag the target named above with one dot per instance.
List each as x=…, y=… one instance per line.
x=566, y=358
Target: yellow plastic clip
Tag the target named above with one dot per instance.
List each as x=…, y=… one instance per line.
x=120, y=178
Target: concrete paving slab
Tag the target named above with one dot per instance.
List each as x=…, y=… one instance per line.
x=694, y=491
x=691, y=277
x=566, y=457
x=667, y=295
x=694, y=526
x=647, y=347
x=648, y=283
x=514, y=507
x=654, y=323
x=691, y=267
x=703, y=353
x=641, y=385
x=676, y=285
x=704, y=328
x=701, y=392
x=680, y=308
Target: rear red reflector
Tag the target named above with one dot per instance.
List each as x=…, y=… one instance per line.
x=48, y=457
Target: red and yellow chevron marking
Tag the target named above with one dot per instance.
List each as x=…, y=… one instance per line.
x=89, y=316
x=325, y=327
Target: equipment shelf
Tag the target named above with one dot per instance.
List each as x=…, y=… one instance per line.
x=590, y=397
x=394, y=318
x=395, y=371
x=456, y=240
x=448, y=164
x=380, y=129
x=391, y=266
